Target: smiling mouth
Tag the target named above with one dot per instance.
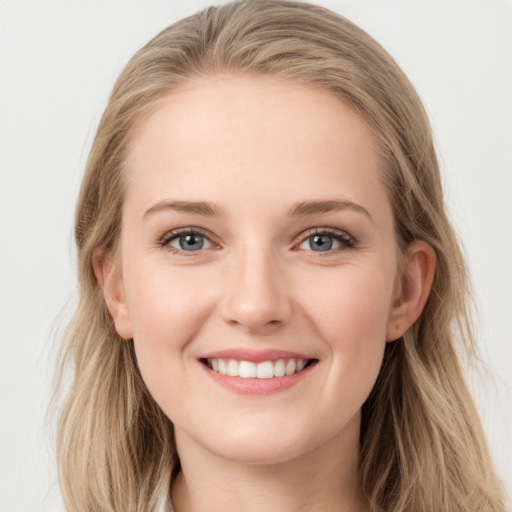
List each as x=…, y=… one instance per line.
x=261, y=370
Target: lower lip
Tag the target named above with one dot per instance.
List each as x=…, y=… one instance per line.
x=258, y=386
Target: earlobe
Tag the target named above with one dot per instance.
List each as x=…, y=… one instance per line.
x=110, y=281
x=412, y=288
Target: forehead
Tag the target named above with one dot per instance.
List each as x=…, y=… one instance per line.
x=252, y=135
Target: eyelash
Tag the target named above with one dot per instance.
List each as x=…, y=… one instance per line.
x=165, y=240
x=342, y=237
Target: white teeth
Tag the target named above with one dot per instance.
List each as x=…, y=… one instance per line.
x=263, y=370
x=290, y=367
x=247, y=369
x=279, y=368
x=232, y=368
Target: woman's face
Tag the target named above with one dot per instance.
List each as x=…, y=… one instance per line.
x=257, y=238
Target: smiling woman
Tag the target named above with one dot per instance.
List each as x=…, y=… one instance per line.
x=283, y=288
x=269, y=283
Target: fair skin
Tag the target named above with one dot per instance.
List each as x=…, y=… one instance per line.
x=292, y=258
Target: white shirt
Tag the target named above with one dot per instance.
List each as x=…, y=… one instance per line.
x=165, y=504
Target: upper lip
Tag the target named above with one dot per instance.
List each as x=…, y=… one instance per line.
x=256, y=356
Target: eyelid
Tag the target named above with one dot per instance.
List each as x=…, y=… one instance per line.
x=346, y=240
x=164, y=241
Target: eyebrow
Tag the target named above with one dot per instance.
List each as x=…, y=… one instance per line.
x=333, y=205
x=301, y=209
x=196, y=208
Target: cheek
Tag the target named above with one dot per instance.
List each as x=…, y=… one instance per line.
x=351, y=308
x=166, y=310
x=350, y=315
x=164, y=305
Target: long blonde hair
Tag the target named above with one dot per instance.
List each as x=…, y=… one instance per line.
x=422, y=447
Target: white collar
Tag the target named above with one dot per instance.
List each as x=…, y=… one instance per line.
x=164, y=505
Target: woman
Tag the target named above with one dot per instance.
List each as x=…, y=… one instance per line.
x=269, y=283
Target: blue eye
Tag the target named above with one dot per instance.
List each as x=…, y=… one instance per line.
x=189, y=242
x=326, y=241
x=320, y=242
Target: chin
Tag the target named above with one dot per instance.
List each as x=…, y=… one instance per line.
x=269, y=452
x=264, y=445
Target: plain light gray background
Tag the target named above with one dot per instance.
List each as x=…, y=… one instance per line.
x=58, y=61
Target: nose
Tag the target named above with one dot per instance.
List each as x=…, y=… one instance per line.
x=257, y=298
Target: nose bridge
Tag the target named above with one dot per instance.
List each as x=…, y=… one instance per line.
x=257, y=296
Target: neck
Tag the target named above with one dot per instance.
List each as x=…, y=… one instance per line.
x=324, y=479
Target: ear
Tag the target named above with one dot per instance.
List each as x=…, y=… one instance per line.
x=412, y=288
x=110, y=281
